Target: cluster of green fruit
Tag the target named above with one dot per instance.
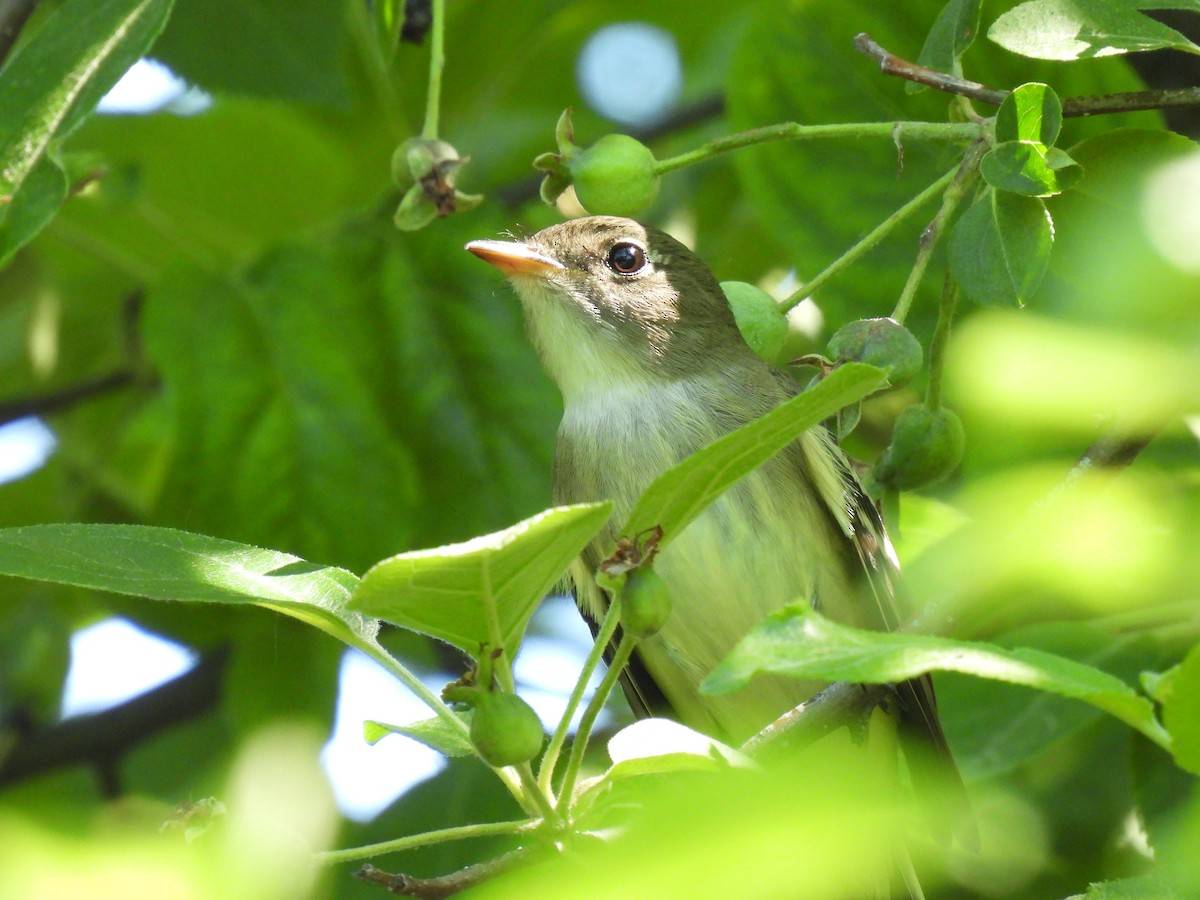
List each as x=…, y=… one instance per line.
x=927, y=442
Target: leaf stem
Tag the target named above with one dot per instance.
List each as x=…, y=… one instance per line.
x=794, y=131
x=615, y=666
x=869, y=241
x=937, y=345
x=377, y=652
x=956, y=190
x=607, y=629
x=426, y=839
x=541, y=799
x=437, y=61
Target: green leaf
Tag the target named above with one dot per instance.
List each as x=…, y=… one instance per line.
x=1083, y=29
x=482, y=591
x=281, y=49
x=681, y=493
x=1032, y=112
x=951, y=35
x=799, y=643
x=434, y=733
x=40, y=196
x=281, y=432
x=996, y=727
x=49, y=86
x=164, y=564
x=1029, y=168
x=1179, y=693
x=1000, y=248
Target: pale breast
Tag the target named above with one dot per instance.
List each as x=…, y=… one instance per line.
x=768, y=541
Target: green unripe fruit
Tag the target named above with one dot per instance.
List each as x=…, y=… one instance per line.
x=505, y=730
x=763, y=324
x=615, y=176
x=879, y=342
x=926, y=446
x=645, y=603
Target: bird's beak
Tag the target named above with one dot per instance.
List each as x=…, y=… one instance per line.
x=512, y=258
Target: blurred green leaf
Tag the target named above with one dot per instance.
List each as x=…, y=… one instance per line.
x=1029, y=168
x=1031, y=112
x=1000, y=247
x=48, y=87
x=1180, y=699
x=280, y=436
x=1082, y=29
x=481, y=592
x=282, y=49
x=432, y=733
x=681, y=493
x=800, y=643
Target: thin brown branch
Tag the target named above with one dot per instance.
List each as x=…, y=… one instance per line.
x=443, y=885
x=1072, y=107
x=57, y=401
x=102, y=739
x=890, y=64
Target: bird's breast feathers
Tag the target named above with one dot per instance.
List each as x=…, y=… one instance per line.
x=766, y=542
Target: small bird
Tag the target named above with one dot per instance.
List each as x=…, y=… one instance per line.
x=641, y=341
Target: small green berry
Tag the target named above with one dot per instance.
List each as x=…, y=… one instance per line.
x=926, y=446
x=879, y=342
x=505, y=730
x=645, y=603
x=761, y=321
x=614, y=176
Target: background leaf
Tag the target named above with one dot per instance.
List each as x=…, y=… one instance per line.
x=951, y=36
x=284, y=49
x=1079, y=29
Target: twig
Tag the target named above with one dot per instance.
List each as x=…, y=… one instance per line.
x=876, y=235
x=443, y=885
x=1072, y=107
x=102, y=739
x=427, y=839
x=956, y=191
x=840, y=704
x=891, y=64
x=57, y=401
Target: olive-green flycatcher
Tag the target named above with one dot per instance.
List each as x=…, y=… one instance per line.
x=640, y=339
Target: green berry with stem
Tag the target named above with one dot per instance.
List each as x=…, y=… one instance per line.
x=927, y=445
x=614, y=176
x=645, y=603
x=882, y=342
x=505, y=729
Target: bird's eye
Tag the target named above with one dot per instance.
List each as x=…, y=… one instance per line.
x=626, y=258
